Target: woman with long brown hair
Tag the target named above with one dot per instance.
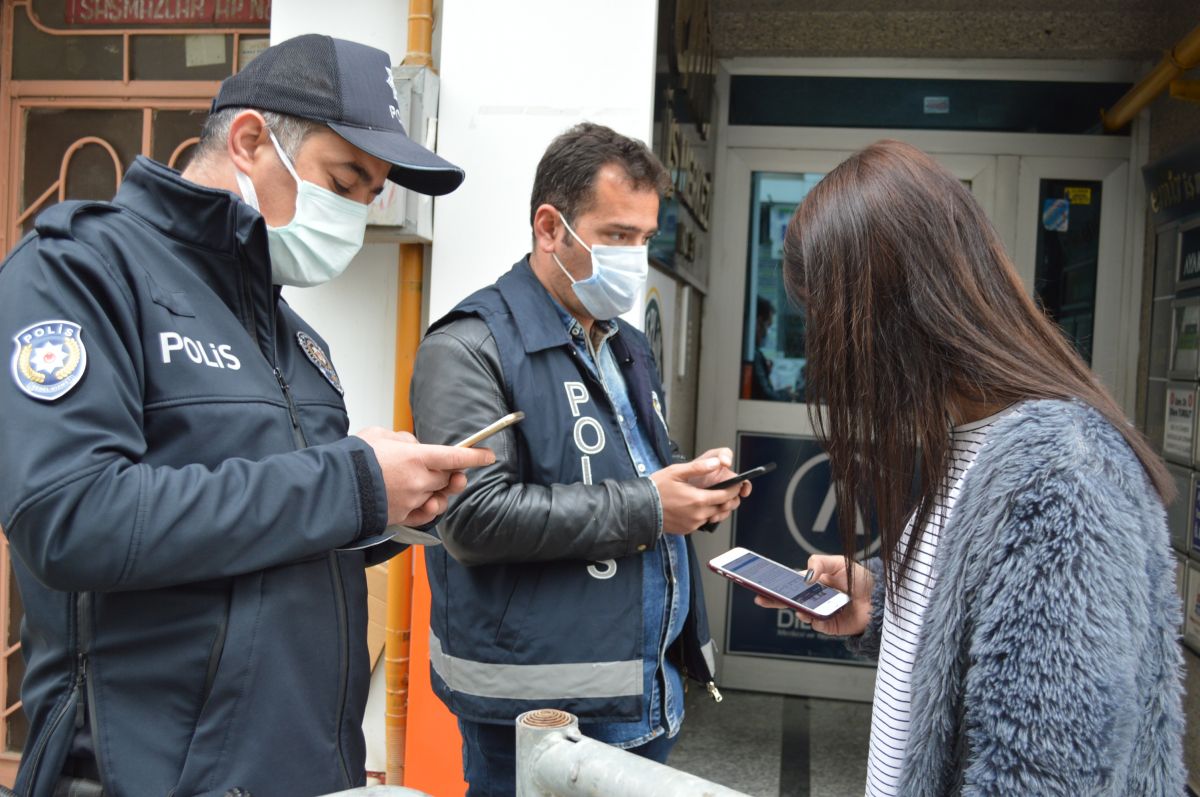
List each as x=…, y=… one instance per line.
x=1023, y=608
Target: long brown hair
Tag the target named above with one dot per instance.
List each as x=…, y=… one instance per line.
x=912, y=305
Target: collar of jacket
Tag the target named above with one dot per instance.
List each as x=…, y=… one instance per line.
x=226, y=237
x=541, y=325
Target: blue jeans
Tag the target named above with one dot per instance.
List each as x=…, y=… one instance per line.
x=489, y=755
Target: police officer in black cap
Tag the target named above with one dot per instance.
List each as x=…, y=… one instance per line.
x=188, y=518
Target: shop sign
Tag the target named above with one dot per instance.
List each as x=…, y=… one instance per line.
x=1173, y=185
x=1189, y=256
x=692, y=181
x=693, y=61
x=1185, y=339
x=167, y=13
x=793, y=514
x=1180, y=423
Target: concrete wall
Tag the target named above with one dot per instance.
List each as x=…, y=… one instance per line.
x=1074, y=29
x=514, y=75
x=356, y=313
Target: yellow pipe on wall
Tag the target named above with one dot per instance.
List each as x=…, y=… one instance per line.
x=398, y=634
x=420, y=33
x=1184, y=56
x=1186, y=90
x=398, y=639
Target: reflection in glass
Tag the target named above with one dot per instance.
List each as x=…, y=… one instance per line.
x=1068, y=253
x=773, y=344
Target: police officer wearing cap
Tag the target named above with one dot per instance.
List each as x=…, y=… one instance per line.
x=188, y=518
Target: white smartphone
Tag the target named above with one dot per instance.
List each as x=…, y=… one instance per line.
x=769, y=578
x=491, y=429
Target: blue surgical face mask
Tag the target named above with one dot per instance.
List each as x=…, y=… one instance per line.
x=324, y=235
x=618, y=277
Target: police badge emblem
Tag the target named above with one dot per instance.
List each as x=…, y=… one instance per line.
x=49, y=359
x=316, y=355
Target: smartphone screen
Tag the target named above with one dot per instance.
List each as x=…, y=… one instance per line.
x=780, y=580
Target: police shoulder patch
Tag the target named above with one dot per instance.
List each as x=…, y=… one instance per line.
x=49, y=359
x=317, y=356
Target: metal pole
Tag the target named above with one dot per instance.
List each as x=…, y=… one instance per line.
x=377, y=791
x=555, y=760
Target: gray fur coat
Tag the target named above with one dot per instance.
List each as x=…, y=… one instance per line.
x=1049, y=661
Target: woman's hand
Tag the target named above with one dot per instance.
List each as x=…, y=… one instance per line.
x=853, y=618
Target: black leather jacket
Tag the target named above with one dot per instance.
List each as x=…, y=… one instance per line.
x=537, y=591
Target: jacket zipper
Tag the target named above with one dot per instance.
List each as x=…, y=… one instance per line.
x=80, y=698
x=339, y=589
x=214, y=656
x=36, y=760
x=339, y=592
x=297, y=433
x=85, y=635
x=74, y=700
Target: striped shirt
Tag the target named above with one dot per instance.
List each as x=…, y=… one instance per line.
x=902, y=617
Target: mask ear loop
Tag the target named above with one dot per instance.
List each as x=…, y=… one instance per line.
x=287, y=163
x=577, y=238
x=573, y=233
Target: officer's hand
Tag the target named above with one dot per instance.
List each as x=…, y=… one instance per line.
x=722, y=473
x=419, y=477
x=686, y=505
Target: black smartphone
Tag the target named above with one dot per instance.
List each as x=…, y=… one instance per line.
x=745, y=475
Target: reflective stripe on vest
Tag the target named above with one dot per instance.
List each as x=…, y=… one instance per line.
x=709, y=651
x=536, y=681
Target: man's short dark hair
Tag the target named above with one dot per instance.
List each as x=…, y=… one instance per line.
x=566, y=175
x=290, y=130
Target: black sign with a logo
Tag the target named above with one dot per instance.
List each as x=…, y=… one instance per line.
x=1189, y=256
x=791, y=514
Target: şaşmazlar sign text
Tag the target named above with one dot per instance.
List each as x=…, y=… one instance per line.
x=168, y=12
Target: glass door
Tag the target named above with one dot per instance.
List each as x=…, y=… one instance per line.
x=1071, y=219
x=755, y=361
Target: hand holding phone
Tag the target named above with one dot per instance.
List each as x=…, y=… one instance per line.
x=779, y=583
x=745, y=475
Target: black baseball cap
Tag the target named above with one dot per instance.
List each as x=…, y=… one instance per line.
x=349, y=87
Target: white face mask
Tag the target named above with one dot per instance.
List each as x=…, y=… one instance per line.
x=618, y=277
x=324, y=235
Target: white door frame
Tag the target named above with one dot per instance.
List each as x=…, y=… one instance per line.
x=992, y=161
x=1112, y=314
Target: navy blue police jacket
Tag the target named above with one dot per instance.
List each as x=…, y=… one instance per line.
x=537, y=588
x=175, y=479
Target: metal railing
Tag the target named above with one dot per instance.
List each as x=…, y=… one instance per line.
x=555, y=760
x=379, y=791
